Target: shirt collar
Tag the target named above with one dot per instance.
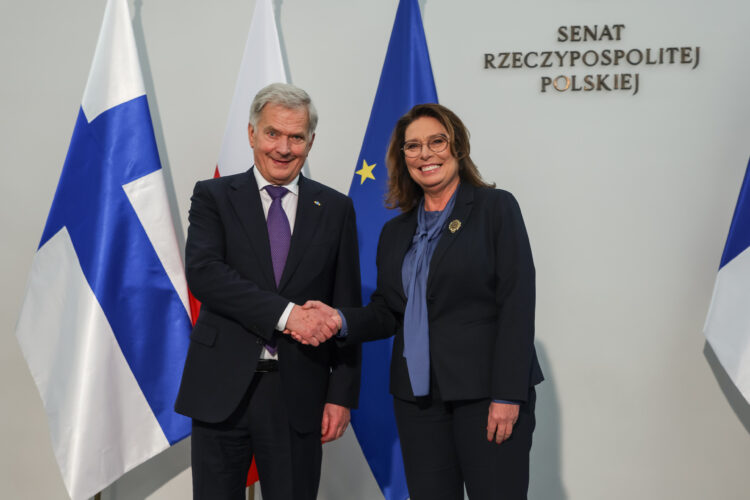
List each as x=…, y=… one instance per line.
x=293, y=186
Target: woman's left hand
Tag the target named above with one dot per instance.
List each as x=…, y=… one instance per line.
x=500, y=421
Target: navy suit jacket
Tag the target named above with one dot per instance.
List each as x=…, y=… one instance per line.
x=229, y=269
x=480, y=301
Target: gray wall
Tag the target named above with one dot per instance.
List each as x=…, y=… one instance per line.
x=627, y=200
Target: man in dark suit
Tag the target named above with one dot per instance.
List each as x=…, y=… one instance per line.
x=259, y=244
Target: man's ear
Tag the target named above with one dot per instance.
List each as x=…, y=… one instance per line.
x=251, y=135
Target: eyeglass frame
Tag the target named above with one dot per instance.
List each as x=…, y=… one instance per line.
x=422, y=145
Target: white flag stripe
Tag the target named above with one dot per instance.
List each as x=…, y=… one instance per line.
x=115, y=75
x=261, y=65
x=147, y=197
x=728, y=322
x=71, y=350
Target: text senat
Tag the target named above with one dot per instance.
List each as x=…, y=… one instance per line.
x=595, y=33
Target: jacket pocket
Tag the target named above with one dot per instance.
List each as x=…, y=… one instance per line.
x=203, y=334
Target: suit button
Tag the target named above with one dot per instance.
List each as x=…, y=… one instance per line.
x=259, y=341
x=430, y=299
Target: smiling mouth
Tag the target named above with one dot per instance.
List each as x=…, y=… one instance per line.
x=430, y=168
x=284, y=161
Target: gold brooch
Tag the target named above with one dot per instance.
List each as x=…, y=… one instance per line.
x=454, y=226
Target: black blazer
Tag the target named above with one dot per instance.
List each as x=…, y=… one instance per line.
x=229, y=269
x=480, y=301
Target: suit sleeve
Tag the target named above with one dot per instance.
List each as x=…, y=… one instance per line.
x=515, y=296
x=376, y=321
x=343, y=385
x=216, y=284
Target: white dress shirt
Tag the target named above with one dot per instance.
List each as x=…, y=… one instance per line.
x=289, y=205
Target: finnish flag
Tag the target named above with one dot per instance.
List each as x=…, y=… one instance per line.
x=727, y=326
x=105, y=325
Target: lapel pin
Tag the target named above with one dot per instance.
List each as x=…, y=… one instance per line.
x=317, y=203
x=454, y=226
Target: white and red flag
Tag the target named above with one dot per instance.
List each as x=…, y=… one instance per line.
x=261, y=65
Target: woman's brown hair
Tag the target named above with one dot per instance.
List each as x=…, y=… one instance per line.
x=403, y=192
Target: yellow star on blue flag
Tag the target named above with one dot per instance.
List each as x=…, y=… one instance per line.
x=365, y=172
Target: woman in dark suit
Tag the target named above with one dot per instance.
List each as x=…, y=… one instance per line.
x=456, y=287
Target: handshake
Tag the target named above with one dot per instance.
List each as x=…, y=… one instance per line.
x=313, y=323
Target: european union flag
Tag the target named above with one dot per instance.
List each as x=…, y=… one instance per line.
x=406, y=80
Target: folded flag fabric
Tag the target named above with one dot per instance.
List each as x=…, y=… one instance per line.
x=104, y=325
x=261, y=65
x=727, y=325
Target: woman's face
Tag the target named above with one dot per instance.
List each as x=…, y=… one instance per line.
x=433, y=171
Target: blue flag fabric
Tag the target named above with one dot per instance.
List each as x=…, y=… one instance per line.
x=739, y=231
x=406, y=80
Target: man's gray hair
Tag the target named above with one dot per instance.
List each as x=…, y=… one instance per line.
x=288, y=96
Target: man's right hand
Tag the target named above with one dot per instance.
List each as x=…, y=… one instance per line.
x=329, y=311
x=310, y=325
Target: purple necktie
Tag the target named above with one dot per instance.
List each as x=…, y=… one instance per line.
x=279, y=235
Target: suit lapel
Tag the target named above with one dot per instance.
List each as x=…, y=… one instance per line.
x=305, y=224
x=461, y=212
x=245, y=198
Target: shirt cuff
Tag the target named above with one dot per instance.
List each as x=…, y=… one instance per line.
x=503, y=401
x=344, y=329
x=281, y=324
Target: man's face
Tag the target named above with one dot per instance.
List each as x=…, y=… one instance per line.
x=280, y=144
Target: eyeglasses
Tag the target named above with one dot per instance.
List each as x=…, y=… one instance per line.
x=436, y=143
